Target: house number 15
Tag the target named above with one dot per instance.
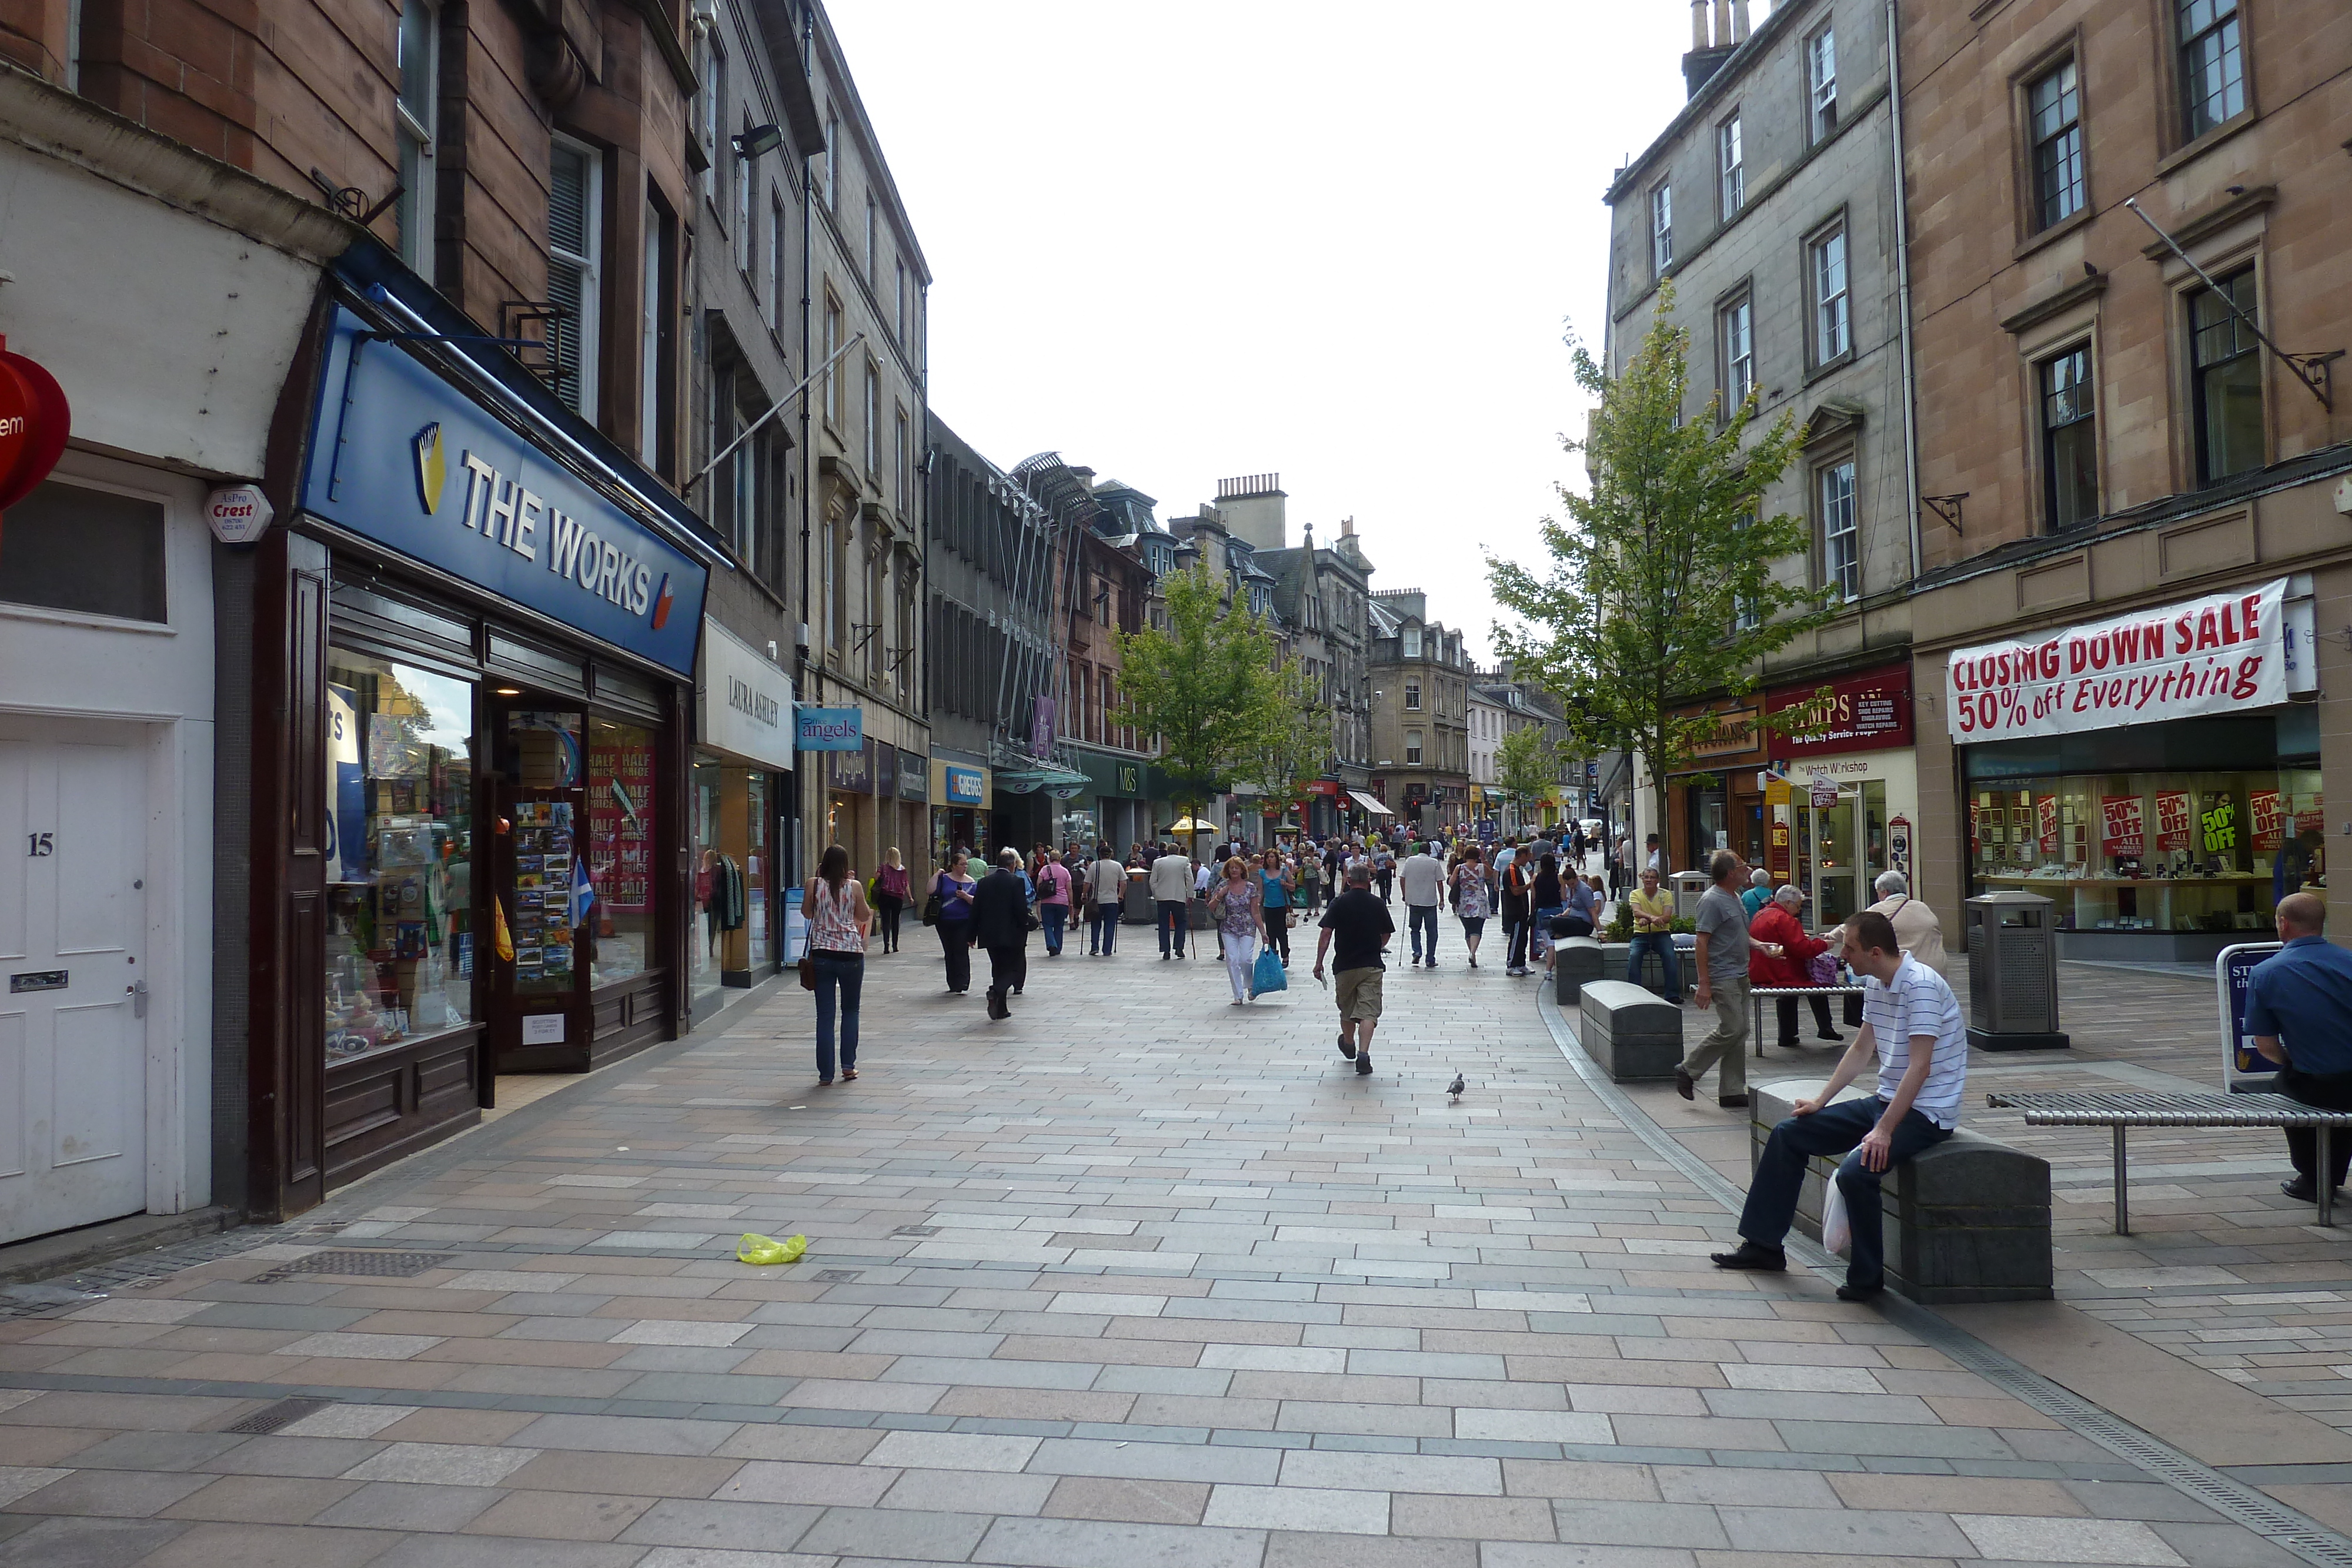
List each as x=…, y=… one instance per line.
x=39, y=844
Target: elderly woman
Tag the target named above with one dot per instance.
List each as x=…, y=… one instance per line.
x=1780, y=953
x=1916, y=930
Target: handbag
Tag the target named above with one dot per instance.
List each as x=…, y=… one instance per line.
x=1821, y=970
x=1268, y=975
x=932, y=904
x=808, y=973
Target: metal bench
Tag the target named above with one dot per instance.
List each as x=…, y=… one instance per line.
x=2125, y=1109
x=1758, y=995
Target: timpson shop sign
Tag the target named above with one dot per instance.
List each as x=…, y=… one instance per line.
x=2222, y=654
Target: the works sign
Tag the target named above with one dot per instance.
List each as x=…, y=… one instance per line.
x=402, y=458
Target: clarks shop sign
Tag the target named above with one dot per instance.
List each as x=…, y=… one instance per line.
x=2216, y=655
x=745, y=702
x=402, y=458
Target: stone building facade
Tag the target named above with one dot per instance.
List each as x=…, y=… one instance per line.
x=1420, y=713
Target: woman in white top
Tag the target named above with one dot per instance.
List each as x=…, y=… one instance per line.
x=838, y=918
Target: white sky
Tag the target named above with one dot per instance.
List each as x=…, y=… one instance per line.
x=1334, y=239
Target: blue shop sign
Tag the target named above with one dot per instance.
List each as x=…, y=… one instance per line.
x=963, y=785
x=401, y=457
x=828, y=728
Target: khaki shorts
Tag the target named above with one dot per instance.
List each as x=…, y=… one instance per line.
x=1359, y=993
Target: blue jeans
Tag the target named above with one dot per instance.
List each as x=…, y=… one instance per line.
x=1833, y=1130
x=1105, y=927
x=1172, y=915
x=1662, y=942
x=1054, y=915
x=1418, y=915
x=846, y=972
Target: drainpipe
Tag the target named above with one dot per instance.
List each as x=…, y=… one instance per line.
x=809, y=813
x=1903, y=290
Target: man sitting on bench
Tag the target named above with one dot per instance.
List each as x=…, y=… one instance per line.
x=1911, y=1022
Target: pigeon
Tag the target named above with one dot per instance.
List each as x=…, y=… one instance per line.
x=1454, y=1088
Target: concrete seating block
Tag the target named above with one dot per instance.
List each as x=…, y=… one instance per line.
x=1576, y=961
x=1629, y=1034
x=1967, y=1220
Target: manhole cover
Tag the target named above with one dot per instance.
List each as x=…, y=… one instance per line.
x=271, y=1417
x=916, y=1230
x=376, y=1263
x=837, y=1276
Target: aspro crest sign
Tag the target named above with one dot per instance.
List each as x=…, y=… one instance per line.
x=237, y=514
x=34, y=419
x=2216, y=655
x=402, y=458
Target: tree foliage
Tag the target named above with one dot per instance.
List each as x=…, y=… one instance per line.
x=1212, y=687
x=1528, y=763
x=1658, y=589
x=1297, y=746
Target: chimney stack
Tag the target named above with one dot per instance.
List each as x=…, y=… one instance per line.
x=1713, y=37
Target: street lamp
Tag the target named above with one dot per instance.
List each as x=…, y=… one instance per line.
x=758, y=141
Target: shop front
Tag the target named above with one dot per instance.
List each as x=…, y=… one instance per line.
x=2157, y=774
x=474, y=650
x=911, y=831
x=1841, y=791
x=742, y=759
x=960, y=794
x=1715, y=803
x=1115, y=807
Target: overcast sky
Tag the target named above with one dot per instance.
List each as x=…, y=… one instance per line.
x=1338, y=240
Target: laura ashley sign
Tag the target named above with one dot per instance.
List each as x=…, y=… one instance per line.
x=2221, y=654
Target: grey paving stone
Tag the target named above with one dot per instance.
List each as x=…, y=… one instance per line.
x=116, y=1494
x=505, y=1551
x=1393, y=1472
x=1158, y=1461
x=282, y=1456
x=154, y=1450
x=87, y=1543
x=730, y=1526
x=1871, y=1533
x=408, y=1505
x=254, y=1315
x=1593, y=1522
x=1865, y=1438
x=895, y=1532
x=1095, y=1544
x=626, y=1435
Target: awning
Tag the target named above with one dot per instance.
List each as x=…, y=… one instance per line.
x=1368, y=804
x=1063, y=781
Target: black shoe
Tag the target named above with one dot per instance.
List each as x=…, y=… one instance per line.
x=1363, y=1063
x=2303, y=1190
x=1751, y=1255
x=1859, y=1293
x=1831, y=1034
x=1786, y=1045
x=1732, y=1102
x=1347, y=1048
x=1686, y=1085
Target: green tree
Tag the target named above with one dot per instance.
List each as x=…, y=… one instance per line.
x=1658, y=590
x=1294, y=748
x=1528, y=763
x=1210, y=686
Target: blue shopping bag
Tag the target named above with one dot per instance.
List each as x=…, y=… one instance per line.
x=1268, y=976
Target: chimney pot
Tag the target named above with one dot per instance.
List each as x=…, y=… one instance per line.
x=1698, y=24
x=1722, y=24
x=1738, y=21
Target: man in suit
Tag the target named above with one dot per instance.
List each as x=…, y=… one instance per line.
x=1000, y=923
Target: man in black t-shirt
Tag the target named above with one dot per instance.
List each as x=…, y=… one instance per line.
x=1362, y=924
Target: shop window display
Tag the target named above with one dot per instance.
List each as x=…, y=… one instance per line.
x=544, y=898
x=400, y=944
x=703, y=960
x=2164, y=851
x=620, y=915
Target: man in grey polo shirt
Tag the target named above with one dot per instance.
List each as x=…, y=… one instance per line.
x=1911, y=1023
x=1722, y=985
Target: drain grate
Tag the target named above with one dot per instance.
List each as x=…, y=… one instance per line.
x=2233, y=1500
x=272, y=1417
x=837, y=1276
x=374, y=1263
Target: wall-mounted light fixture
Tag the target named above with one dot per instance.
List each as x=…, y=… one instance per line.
x=758, y=141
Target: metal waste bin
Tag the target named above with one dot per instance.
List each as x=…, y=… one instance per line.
x=1690, y=886
x=2012, y=972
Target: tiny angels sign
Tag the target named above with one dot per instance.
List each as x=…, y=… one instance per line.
x=34, y=419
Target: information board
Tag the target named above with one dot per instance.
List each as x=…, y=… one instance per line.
x=2243, y=1069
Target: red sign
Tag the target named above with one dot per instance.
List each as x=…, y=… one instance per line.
x=34, y=419
x=2263, y=807
x=2045, y=811
x=2175, y=820
x=1870, y=712
x=1325, y=787
x=621, y=820
x=2122, y=829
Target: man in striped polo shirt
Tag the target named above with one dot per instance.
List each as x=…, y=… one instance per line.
x=1911, y=1021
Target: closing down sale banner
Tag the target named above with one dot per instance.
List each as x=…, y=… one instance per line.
x=2223, y=654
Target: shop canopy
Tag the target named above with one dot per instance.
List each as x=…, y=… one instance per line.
x=1063, y=781
x=1368, y=804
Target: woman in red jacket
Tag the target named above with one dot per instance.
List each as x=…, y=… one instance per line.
x=1780, y=953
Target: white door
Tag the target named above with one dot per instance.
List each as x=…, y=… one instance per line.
x=73, y=1058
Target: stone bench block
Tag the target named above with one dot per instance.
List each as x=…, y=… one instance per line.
x=1629, y=1034
x=1576, y=962
x=1967, y=1220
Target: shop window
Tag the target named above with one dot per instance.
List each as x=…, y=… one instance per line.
x=2226, y=379
x=621, y=821
x=90, y=552
x=703, y=956
x=399, y=941
x=2070, y=461
x=542, y=895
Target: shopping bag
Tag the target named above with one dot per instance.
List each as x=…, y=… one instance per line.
x=1837, y=1230
x=757, y=1249
x=1268, y=976
x=1822, y=969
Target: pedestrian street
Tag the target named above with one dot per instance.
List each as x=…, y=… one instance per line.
x=1136, y=1277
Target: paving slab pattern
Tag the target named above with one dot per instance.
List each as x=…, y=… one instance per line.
x=1135, y=1278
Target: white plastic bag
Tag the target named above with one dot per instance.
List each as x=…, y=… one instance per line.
x=1837, y=1231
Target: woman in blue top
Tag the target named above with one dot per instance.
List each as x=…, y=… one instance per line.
x=1277, y=882
x=955, y=887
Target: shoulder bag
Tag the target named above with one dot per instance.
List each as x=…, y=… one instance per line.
x=932, y=904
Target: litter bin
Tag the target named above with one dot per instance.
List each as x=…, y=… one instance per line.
x=2012, y=972
x=1690, y=886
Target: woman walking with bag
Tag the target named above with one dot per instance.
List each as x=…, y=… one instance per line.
x=1233, y=906
x=835, y=909
x=1471, y=898
x=1276, y=885
x=890, y=895
x=951, y=892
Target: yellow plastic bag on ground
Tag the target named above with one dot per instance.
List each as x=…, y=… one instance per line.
x=757, y=1249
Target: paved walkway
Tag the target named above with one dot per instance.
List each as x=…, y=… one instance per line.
x=1136, y=1279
